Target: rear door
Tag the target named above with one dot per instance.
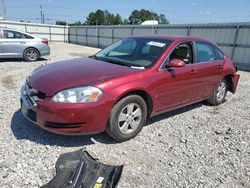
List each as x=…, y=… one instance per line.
x=209, y=69
x=13, y=43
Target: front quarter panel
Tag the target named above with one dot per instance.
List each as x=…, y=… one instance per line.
x=116, y=88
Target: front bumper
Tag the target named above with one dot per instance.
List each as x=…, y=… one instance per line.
x=45, y=52
x=67, y=119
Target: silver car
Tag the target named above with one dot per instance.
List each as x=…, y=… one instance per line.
x=18, y=44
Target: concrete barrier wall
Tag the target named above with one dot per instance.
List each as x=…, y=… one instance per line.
x=54, y=33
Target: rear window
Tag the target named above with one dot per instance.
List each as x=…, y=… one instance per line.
x=27, y=36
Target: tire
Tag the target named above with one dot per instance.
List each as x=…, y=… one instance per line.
x=31, y=54
x=127, y=118
x=219, y=94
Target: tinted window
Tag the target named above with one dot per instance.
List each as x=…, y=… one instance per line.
x=12, y=34
x=205, y=52
x=27, y=36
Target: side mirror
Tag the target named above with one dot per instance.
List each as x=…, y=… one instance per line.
x=176, y=63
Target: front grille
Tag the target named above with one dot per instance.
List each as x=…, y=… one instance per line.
x=64, y=125
x=28, y=112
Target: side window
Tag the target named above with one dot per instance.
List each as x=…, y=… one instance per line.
x=12, y=34
x=221, y=55
x=184, y=52
x=205, y=52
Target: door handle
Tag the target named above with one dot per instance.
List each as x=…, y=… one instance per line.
x=192, y=72
x=22, y=42
x=219, y=66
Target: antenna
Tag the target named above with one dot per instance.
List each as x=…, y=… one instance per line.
x=4, y=9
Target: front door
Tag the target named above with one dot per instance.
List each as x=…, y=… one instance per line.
x=177, y=86
x=13, y=43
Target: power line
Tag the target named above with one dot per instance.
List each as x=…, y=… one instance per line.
x=47, y=19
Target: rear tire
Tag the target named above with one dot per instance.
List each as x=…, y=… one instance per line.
x=219, y=94
x=31, y=54
x=127, y=118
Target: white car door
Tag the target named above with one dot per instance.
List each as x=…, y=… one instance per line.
x=13, y=43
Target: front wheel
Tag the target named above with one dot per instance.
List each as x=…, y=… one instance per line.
x=219, y=94
x=31, y=54
x=127, y=118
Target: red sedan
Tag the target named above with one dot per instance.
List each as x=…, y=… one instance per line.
x=117, y=89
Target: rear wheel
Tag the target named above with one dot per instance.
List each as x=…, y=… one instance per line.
x=31, y=54
x=127, y=118
x=220, y=93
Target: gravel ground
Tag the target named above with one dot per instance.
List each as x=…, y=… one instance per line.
x=196, y=146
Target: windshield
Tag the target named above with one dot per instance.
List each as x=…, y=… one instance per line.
x=134, y=52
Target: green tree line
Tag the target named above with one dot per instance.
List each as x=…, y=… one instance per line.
x=104, y=17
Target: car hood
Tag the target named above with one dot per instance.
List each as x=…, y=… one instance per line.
x=54, y=77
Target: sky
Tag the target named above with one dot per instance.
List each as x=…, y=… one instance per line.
x=176, y=11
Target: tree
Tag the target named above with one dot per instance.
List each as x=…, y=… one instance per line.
x=125, y=21
x=101, y=17
x=61, y=23
x=116, y=19
x=78, y=23
x=139, y=16
x=162, y=19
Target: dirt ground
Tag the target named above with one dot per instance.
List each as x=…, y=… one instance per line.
x=196, y=146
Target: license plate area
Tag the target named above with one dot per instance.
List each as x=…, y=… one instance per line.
x=23, y=108
x=30, y=113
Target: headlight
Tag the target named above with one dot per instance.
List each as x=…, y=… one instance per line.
x=78, y=95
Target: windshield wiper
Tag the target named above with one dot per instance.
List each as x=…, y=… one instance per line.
x=108, y=60
x=93, y=57
x=112, y=61
x=117, y=63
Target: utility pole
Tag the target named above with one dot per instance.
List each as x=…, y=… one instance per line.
x=4, y=9
x=43, y=19
x=41, y=12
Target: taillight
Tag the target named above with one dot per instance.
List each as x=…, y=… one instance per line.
x=45, y=42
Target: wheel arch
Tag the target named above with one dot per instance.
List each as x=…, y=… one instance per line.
x=146, y=97
x=31, y=47
x=229, y=80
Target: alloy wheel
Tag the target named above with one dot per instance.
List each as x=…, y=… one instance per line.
x=31, y=55
x=129, y=118
x=221, y=91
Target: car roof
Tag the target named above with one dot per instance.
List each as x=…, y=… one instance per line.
x=175, y=38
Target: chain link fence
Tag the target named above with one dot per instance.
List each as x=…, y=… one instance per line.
x=233, y=38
